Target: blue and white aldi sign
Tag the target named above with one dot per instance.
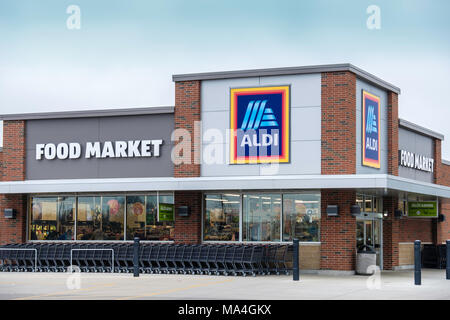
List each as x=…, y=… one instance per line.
x=371, y=130
x=259, y=125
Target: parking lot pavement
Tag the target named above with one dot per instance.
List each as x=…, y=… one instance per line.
x=62, y=286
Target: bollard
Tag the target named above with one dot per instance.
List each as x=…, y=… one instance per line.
x=136, y=257
x=417, y=264
x=448, y=260
x=295, y=262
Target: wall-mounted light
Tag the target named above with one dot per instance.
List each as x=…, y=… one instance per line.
x=332, y=210
x=9, y=213
x=355, y=210
x=184, y=211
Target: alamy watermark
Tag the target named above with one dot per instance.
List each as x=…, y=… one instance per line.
x=73, y=22
x=374, y=20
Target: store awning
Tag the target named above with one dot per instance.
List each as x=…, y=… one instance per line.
x=378, y=182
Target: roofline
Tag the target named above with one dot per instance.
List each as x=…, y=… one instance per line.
x=88, y=113
x=288, y=71
x=419, y=129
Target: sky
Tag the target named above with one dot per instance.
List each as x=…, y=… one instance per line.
x=125, y=52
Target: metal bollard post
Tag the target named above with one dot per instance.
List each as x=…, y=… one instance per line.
x=448, y=259
x=136, y=257
x=295, y=262
x=417, y=264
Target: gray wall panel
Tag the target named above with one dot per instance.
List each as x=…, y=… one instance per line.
x=306, y=89
x=419, y=144
x=215, y=95
x=305, y=122
x=82, y=130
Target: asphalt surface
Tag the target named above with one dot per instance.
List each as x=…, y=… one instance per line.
x=63, y=286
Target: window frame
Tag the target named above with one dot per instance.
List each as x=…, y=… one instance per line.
x=241, y=213
x=91, y=194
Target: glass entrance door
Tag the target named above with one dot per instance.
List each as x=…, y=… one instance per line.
x=369, y=232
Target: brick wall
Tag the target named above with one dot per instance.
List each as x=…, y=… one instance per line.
x=416, y=229
x=443, y=228
x=187, y=112
x=1, y=164
x=398, y=230
x=338, y=123
x=442, y=177
x=13, y=230
x=13, y=162
x=13, y=150
x=338, y=234
x=188, y=229
x=391, y=234
x=392, y=114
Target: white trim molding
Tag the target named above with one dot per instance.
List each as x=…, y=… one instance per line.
x=378, y=182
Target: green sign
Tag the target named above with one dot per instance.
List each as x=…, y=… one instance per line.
x=427, y=209
x=165, y=212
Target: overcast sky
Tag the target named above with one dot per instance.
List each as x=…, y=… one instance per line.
x=125, y=52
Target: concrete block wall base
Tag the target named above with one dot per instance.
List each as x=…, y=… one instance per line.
x=335, y=272
x=405, y=267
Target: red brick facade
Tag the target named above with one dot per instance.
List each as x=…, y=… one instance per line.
x=338, y=123
x=391, y=234
x=442, y=177
x=392, y=115
x=13, y=169
x=188, y=229
x=338, y=234
x=187, y=112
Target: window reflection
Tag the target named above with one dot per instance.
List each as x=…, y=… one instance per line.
x=143, y=220
x=301, y=217
x=100, y=218
x=221, y=217
x=52, y=218
x=261, y=217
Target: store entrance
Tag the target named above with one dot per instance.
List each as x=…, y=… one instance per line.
x=369, y=231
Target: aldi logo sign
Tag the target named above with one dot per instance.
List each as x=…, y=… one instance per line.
x=371, y=130
x=259, y=125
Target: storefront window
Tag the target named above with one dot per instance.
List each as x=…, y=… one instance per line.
x=375, y=204
x=360, y=201
x=368, y=204
x=100, y=218
x=143, y=220
x=89, y=217
x=52, y=218
x=301, y=217
x=221, y=217
x=261, y=217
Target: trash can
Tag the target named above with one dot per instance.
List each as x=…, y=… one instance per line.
x=365, y=257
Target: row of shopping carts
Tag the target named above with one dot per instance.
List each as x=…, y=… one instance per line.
x=211, y=259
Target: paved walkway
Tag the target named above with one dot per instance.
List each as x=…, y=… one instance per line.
x=392, y=285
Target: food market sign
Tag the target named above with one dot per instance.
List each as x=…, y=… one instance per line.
x=423, y=209
x=136, y=146
x=107, y=149
x=416, y=161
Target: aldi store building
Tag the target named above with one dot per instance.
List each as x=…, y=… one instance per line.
x=261, y=156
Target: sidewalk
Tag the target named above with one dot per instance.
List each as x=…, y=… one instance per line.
x=393, y=285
